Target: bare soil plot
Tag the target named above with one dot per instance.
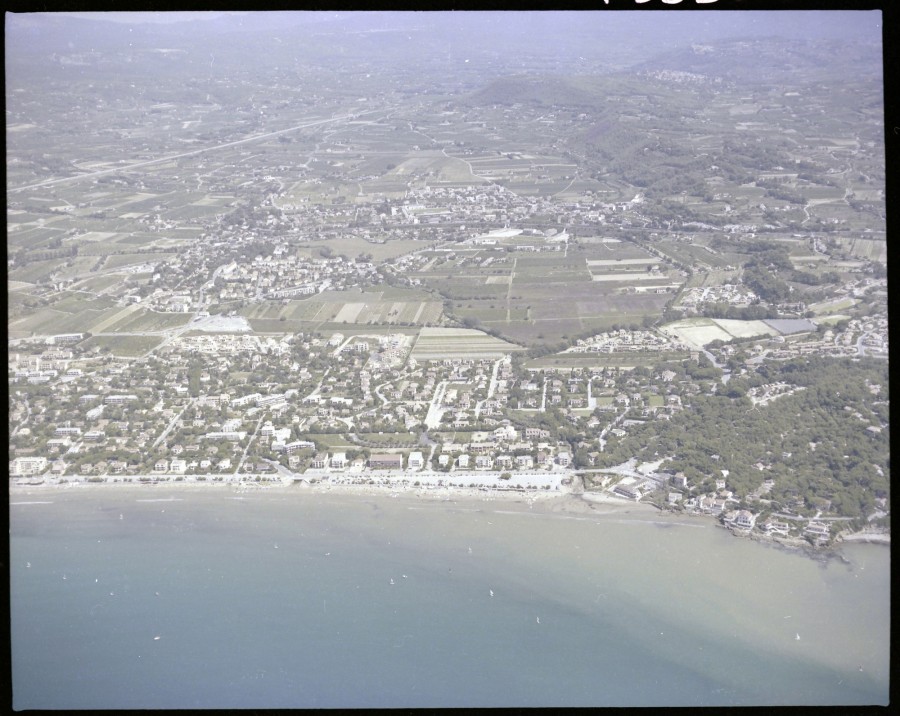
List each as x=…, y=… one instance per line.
x=349, y=312
x=745, y=329
x=696, y=332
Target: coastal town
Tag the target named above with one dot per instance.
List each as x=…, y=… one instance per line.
x=216, y=402
x=508, y=290
x=448, y=359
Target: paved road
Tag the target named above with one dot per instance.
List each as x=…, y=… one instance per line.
x=172, y=424
x=136, y=165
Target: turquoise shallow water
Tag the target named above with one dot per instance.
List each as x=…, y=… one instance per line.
x=283, y=600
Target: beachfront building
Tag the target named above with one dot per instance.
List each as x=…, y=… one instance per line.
x=630, y=491
x=524, y=462
x=415, y=461
x=28, y=466
x=386, y=461
x=776, y=527
x=818, y=529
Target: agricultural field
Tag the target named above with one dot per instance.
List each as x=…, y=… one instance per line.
x=68, y=312
x=541, y=297
x=870, y=249
x=693, y=254
x=98, y=284
x=443, y=343
x=437, y=167
x=127, y=346
x=631, y=359
x=144, y=321
x=348, y=307
x=826, y=308
x=353, y=247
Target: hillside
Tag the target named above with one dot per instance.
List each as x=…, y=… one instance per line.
x=770, y=60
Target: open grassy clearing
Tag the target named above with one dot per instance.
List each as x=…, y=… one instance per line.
x=404, y=439
x=76, y=302
x=330, y=441
x=124, y=345
x=828, y=307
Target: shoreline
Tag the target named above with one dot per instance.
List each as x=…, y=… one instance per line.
x=575, y=504
x=537, y=501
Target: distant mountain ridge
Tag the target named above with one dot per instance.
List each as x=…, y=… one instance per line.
x=770, y=59
x=750, y=61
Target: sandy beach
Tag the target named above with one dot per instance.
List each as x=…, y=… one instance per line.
x=532, y=500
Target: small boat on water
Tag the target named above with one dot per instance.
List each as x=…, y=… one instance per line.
x=797, y=637
x=491, y=591
x=392, y=580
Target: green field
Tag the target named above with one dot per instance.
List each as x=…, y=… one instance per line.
x=124, y=345
x=463, y=343
x=71, y=312
x=145, y=321
x=360, y=309
x=330, y=441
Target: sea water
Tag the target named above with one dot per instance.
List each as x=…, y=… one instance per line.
x=155, y=598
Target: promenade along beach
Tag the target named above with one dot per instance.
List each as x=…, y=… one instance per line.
x=193, y=597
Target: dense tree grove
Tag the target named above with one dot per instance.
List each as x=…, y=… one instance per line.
x=816, y=443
